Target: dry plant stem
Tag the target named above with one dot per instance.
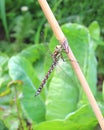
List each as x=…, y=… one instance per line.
x=62, y=39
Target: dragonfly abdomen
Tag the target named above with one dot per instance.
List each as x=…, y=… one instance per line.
x=46, y=77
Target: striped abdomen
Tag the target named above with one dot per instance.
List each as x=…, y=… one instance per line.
x=46, y=77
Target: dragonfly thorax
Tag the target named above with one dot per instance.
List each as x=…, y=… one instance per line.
x=57, y=53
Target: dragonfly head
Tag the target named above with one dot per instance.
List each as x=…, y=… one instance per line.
x=59, y=48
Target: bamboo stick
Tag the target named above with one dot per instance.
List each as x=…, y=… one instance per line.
x=63, y=41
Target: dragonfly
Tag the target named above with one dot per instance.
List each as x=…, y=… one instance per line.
x=57, y=54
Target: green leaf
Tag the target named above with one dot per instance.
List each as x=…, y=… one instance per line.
x=3, y=126
x=22, y=24
x=33, y=52
x=4, y=77
x=94, y=30
x=63, y=93
x=83, y=117
x=91, y=70
x=79, y=40
x=3, y=59
x=21, y=69
x=56, y=125
x=3, y=17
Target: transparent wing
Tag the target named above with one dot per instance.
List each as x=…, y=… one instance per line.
x=49, y=75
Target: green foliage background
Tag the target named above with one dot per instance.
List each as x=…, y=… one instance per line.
x=25, y=41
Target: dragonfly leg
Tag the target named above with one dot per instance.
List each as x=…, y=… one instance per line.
x=62, y=57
